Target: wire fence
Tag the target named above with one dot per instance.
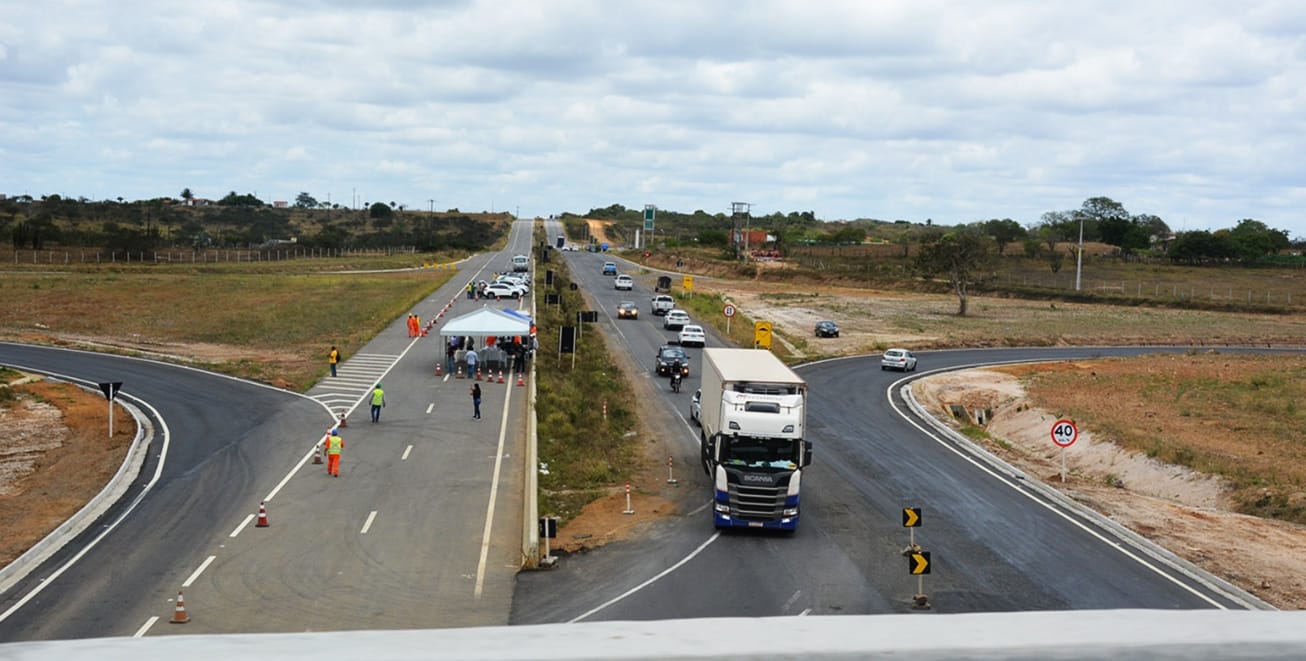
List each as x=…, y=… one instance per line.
x=209, y=256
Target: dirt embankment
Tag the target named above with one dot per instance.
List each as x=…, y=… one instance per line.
x=1179, y=509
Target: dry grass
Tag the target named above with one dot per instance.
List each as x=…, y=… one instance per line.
x=1236, y=416
x=53, y=462
x=274, y=327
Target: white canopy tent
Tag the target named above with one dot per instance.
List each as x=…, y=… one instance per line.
x=486, y=322
x=483, y=323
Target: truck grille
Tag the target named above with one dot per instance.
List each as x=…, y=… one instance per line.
x=763, y=503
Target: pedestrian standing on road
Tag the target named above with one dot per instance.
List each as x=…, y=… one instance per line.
x=412, y=325
x=333, y=357
x=334, y=444
x=476, y=401
x=448, y=358
x=378, y=401
x=470, y=291
x=471, y=359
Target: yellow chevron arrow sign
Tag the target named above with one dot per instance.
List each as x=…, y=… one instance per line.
x=920, y=562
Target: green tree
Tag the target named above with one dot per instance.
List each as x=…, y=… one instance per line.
x=187, y=195
x=964, y=256
x=1004, y=231
x=305, y=201
x=379, y=210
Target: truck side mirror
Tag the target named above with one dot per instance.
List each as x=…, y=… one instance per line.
x=807, y=453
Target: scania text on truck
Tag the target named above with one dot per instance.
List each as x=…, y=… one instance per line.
x=753, y=410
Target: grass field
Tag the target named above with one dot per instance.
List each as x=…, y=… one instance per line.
x=268, y=321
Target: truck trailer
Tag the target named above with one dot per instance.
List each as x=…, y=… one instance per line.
x=753, y=411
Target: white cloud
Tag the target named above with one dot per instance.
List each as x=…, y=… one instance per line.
x=953, y=111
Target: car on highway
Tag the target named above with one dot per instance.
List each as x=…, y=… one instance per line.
x=627, y=310
x=624, y=281
x=827, y=328
x=668, y=356
x=517, y=283
x=675, y=320
x=696, y=407
x=898, y=359
x=609, y=268
x=662, y=304
x=693, y=335
x=498, y=290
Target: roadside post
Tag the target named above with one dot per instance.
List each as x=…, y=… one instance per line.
x=728, y=311
x=1064, y=434
x=110, y=390
x=918, y=560
x=548, y=530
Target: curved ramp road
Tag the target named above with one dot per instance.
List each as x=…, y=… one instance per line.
x=421, y=530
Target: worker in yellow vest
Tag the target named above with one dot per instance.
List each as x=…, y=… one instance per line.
x=334, y=445
x=378, y=401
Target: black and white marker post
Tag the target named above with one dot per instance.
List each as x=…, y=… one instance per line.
x=110, y=390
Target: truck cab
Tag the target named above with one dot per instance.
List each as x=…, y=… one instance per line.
x=521, y=263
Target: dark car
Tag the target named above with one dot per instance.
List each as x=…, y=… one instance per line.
x=627, y=310
x=827, y=328
x=668, y=356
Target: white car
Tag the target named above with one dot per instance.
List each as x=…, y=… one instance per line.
x=696, y=408
x=502, y=290
x=898, y=359
x=624, y=281
x=692, y=335
x=675, y=320
x=514, y=282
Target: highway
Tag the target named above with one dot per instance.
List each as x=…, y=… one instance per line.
x=997, y=542
x=421, y=530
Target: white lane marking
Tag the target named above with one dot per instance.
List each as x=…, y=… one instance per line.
x=199, y=570
x=430, y=407
x=145, y=491
x=145, y=627
x=248, y=518
x=647, y=583
x=805, y=613
x=1055, y=510
x=406, y=451
x=367, y=525
x=494, y=494
x=790, y=602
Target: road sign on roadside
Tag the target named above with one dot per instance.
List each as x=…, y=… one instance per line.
x=911, y=517
x=728, y=310
x=919, y=562
x=1064, y=433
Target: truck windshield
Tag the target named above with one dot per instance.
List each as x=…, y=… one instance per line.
x=780, y=453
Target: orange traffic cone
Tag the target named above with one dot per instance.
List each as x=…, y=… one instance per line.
x=317, y=453
x=521, y=379
x=478, y=374
x=343, y=422
x=262, y=516
x=457, y=373
x=437, y=369
x=179, y=615
x=500, y=376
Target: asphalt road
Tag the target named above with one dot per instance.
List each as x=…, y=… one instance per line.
x=997, y=543
x=422, y=529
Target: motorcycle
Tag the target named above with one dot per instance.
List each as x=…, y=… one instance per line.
x=678, y=373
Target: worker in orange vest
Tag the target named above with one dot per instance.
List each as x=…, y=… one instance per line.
x=334, y=444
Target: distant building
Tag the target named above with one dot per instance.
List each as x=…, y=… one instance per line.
x=280, y=204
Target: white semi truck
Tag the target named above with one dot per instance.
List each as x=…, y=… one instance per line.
x=753, y=410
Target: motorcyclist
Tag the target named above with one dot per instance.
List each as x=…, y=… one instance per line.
x=676, y=374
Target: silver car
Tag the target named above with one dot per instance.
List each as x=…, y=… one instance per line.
x=898, y=359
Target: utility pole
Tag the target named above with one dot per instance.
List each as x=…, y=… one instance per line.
x=1079, y=257
x=431, y=202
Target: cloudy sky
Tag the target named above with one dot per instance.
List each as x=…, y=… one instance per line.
x=953, y=111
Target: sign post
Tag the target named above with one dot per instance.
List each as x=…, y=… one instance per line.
x=110, y=390
x=687, y=283
x=728, y=311
x=1064, y=434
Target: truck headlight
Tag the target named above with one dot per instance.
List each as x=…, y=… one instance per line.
x=723, y=508
x=789, y=429
x=791, y=511
x=734, y=425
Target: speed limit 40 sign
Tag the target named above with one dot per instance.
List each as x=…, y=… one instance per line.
x=1064, y=433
